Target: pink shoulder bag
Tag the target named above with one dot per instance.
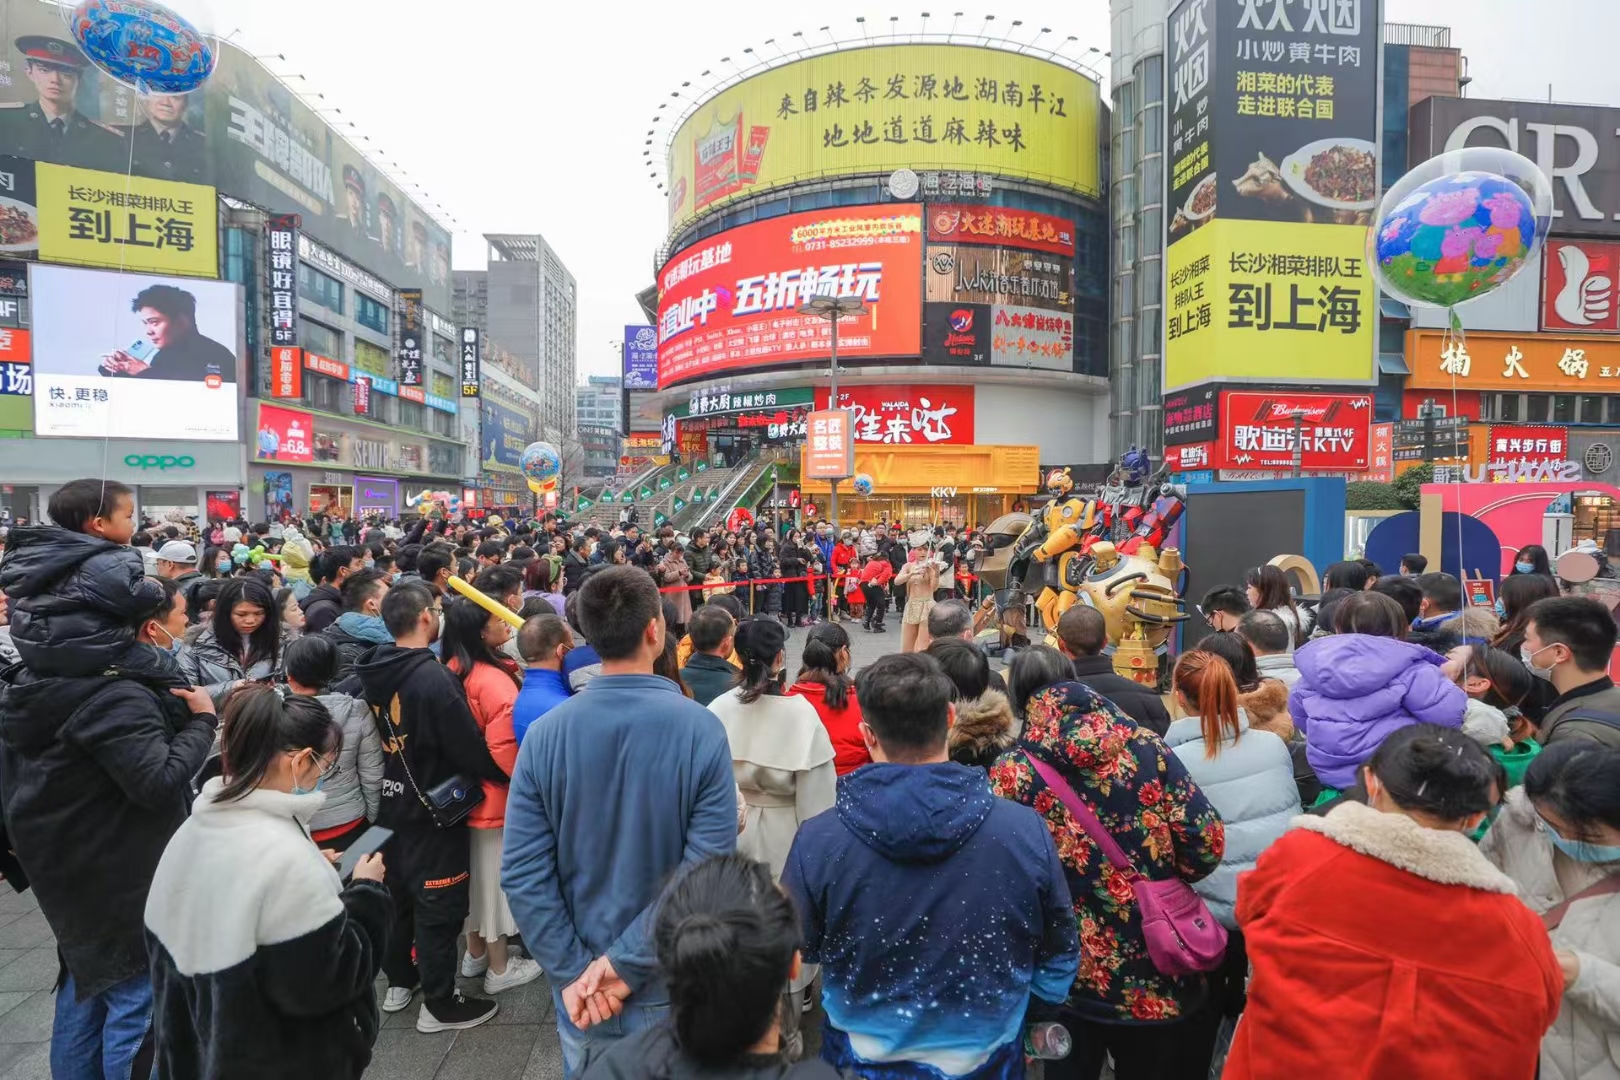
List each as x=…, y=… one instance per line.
x=1183, y=938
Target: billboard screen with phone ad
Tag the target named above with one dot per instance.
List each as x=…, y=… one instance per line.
x=134, y=356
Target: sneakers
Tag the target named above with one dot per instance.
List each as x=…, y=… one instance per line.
x=520, y=971
x=397, y=998
x=455, y=1013
x=473, y=966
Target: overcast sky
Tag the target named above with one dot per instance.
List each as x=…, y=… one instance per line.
x=533, y=117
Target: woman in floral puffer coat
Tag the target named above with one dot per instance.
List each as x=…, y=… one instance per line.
x=1142, y=794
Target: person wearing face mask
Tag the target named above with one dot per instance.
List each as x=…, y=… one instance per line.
x=263, y=961
x=354, y=788
x=1532, y=559
x=1419, y=985
x=1569, y=641
x=1497, y=685
x=118, y=752
x=1558, y=838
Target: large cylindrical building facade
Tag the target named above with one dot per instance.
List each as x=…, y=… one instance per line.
x=960, y=192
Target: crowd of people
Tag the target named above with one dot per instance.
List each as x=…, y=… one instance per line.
x=1374, y=833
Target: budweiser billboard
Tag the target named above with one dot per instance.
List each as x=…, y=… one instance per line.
x=1257, y=430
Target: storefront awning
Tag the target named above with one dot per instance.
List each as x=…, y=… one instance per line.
x=1393, y=309
x=1392, y=363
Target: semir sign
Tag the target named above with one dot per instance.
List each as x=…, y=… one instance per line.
x=1576, y=146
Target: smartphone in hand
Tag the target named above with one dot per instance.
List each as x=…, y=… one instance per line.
x=370, y=841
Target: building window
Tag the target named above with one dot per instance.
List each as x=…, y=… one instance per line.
x=368, y=312
x=1591, y=408
x=443, y=385
x=1509, y=410
x=1613, y=409
x=325, y=393
x=372, y=358
x=410, y=415
x=1564, y=408
x=1536, y=407
x=320, y=338
x=319, y=288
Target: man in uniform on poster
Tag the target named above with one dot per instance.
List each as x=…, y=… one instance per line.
x=169, y=315
x=165, y=145
x=354, y=195
x=51, y=128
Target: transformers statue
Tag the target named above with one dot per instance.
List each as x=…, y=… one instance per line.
x=1105, y=552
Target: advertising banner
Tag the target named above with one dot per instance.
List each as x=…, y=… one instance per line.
x=409, y=356
x=165, y=370
x=1382, y=466
x=285, y=435
x=1189, y=457
x=1526, y=443
x=1257, y=430
x=506, y=432
x=830, y=450
x=1584, y=363
x=640, y=370
x=281, y=257
x=1031, y=338
x=376, y=495
x=1190, y=415
x=224, y=505
x=882, y=108
x=286, y=372
x=731, y=302
x=362, y=395
x=962, y=274
x=472, y=373
x=278, y=496
x=1272, y=128
x=1578, y=285
x=907, y=414
x=112, y=219
x=716, y=401
x=1578, y=146
x=954, y=223
x=957, y=333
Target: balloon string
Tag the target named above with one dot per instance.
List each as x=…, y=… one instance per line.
x=123, y=253
x=1454, y=345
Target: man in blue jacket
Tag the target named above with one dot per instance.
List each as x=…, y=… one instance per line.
x=935, y=909
x=623, y=783
x=544, y=642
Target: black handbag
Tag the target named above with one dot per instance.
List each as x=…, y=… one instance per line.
x=448, y=802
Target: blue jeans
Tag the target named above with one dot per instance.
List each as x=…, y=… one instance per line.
x=576, y=1044
x=98, y=1038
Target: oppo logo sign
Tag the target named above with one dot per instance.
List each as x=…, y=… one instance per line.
x=160, y=462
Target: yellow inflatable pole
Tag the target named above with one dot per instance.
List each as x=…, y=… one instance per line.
x=488, y=603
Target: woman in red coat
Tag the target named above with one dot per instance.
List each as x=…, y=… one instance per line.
x=824, y=680
x=1384, y=945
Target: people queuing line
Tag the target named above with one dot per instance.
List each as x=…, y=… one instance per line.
x=1358, y=818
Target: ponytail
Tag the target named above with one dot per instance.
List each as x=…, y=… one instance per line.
x=1207, y=681
x=259, y=724
x=756, y=677
x=821, y=650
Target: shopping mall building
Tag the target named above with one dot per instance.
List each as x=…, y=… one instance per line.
x=310, y=362
x=958, y=192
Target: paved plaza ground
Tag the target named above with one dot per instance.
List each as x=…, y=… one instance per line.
x=519, y=1044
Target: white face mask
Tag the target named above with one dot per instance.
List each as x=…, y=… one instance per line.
x=1528, y=658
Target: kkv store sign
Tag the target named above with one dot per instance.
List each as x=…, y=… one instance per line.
x=902, y=415
x=1578, y=287
x=1257, y=430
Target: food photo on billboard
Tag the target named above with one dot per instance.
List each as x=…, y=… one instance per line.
x=132, y=356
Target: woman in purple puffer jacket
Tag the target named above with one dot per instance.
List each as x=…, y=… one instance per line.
x=1364, y=682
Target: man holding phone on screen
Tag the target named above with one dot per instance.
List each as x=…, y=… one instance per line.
x=172, y=348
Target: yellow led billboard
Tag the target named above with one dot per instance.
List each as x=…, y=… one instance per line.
x=126, y=222
x=886, y=107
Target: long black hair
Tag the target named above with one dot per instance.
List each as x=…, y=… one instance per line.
x=462, y=645
x=821, y=649
x=259, y=724
x=1580, y=782
x=265, y=642
x=725, y=937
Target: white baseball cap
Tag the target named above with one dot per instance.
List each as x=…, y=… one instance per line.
x=178, y=551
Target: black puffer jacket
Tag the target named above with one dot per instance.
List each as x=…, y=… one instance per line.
x=73, y=598
x=96, y=774
x=321, y=608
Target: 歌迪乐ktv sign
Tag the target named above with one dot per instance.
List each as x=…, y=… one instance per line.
x=1273, y=177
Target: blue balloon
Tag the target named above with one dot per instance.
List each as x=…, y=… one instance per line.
x=863, y=484
x=540, y=462
x=143, y=44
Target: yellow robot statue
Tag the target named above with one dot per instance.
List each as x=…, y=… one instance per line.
x=1139, y=598
x=1053, y=539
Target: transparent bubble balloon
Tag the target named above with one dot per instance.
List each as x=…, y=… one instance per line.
x=863, y=484
x=540, y=462
x=1459, y=226
x=153, y=48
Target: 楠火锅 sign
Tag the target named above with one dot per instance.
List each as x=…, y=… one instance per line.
x=885, y=107
x=1272, y=132
x=244, y=132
